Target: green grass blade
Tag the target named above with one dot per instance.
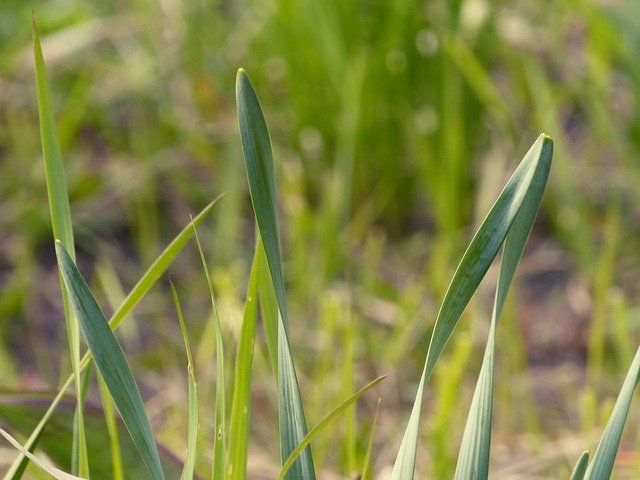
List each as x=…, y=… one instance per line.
x=531, y=173
x=219, y=444
x=192, y=435
x=473, y=459
x=330, y=417
x=111, y=363
x=136, y=294
x=605, y=455
x=60, y=213
x=256, y=146
x=366, y=465
x=112, y=430
x=51, y=470
x=241, y=403
x=581, y=467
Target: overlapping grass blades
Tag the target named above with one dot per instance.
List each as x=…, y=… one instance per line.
x=256, y=146
x=241, y=403
x=111, y=363
x=192, y=433
x=60, y=213
x=473, y=459
x=531, y=173
x=136, y=294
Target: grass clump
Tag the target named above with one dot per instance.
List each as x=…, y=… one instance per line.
x=507, y=226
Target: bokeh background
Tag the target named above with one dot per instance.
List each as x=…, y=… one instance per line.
x=394, y=125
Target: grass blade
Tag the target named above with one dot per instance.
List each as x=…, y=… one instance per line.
x=192, y=436
x=60, y=213
x=581, y=467
x=241, y=403
x=366, y=465
x=532, y=171
x=51, y=470
x=605, y=456
x=112, y=430
x=330, y=417
x=219, y=444
x=111, y=363
x=473, y=460
x=136, y=294
x=256, y=146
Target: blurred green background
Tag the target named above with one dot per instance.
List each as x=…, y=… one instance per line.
x=395, y=124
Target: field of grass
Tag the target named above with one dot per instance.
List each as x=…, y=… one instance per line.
x=394, y=126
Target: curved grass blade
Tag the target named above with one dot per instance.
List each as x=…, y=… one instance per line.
x=605, y=456
x=192, y=435
x=136, y=294
x=473, y=459
x=60, y=213
x=256, y=146
x=51, y=470
x=111, y=362
x=219, y=444
x=241, y=403
x=581, y=467
x=330, y=417
x=532, y=171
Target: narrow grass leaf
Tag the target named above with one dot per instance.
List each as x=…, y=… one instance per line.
x=241, y=403
x=111, y=363
x=192, y=433
x=60, y=213
x=531, y=173
x=605, y=455
x=473, y=459
x=366, y=465
x=330, y=417
x=256, y=146
x=112, y=429
x=219, y=444
x=51, y=470
x=136, y=294
x=581, y=467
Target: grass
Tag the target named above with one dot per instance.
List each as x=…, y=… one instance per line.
x=393, y=129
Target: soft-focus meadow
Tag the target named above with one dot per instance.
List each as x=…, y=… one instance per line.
x=395, y=125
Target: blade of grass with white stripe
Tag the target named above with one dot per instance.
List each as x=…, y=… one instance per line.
x=532, y=171
x=241, y=403
x=605, y=456
x=50, y=469
x=192, y=434
x=60, y=213
x=111, y=363
x=256, y=146
x=219, y=444
x=136, y=294
x=330, y=417
x=473, y=459
x=581, y=467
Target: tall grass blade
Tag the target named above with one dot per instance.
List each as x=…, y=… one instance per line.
x=192, y=434
x=605, y=455
x=532, y=172
x=473, y=459
x=366, y=465
x=60, y=213
x=581, y=467
x=256, y=146
x=136, y=294
x=330, y=417
x=112, y=430
x=219, y=444
x=51, y=470
x=241, y=403
x=111, y=362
